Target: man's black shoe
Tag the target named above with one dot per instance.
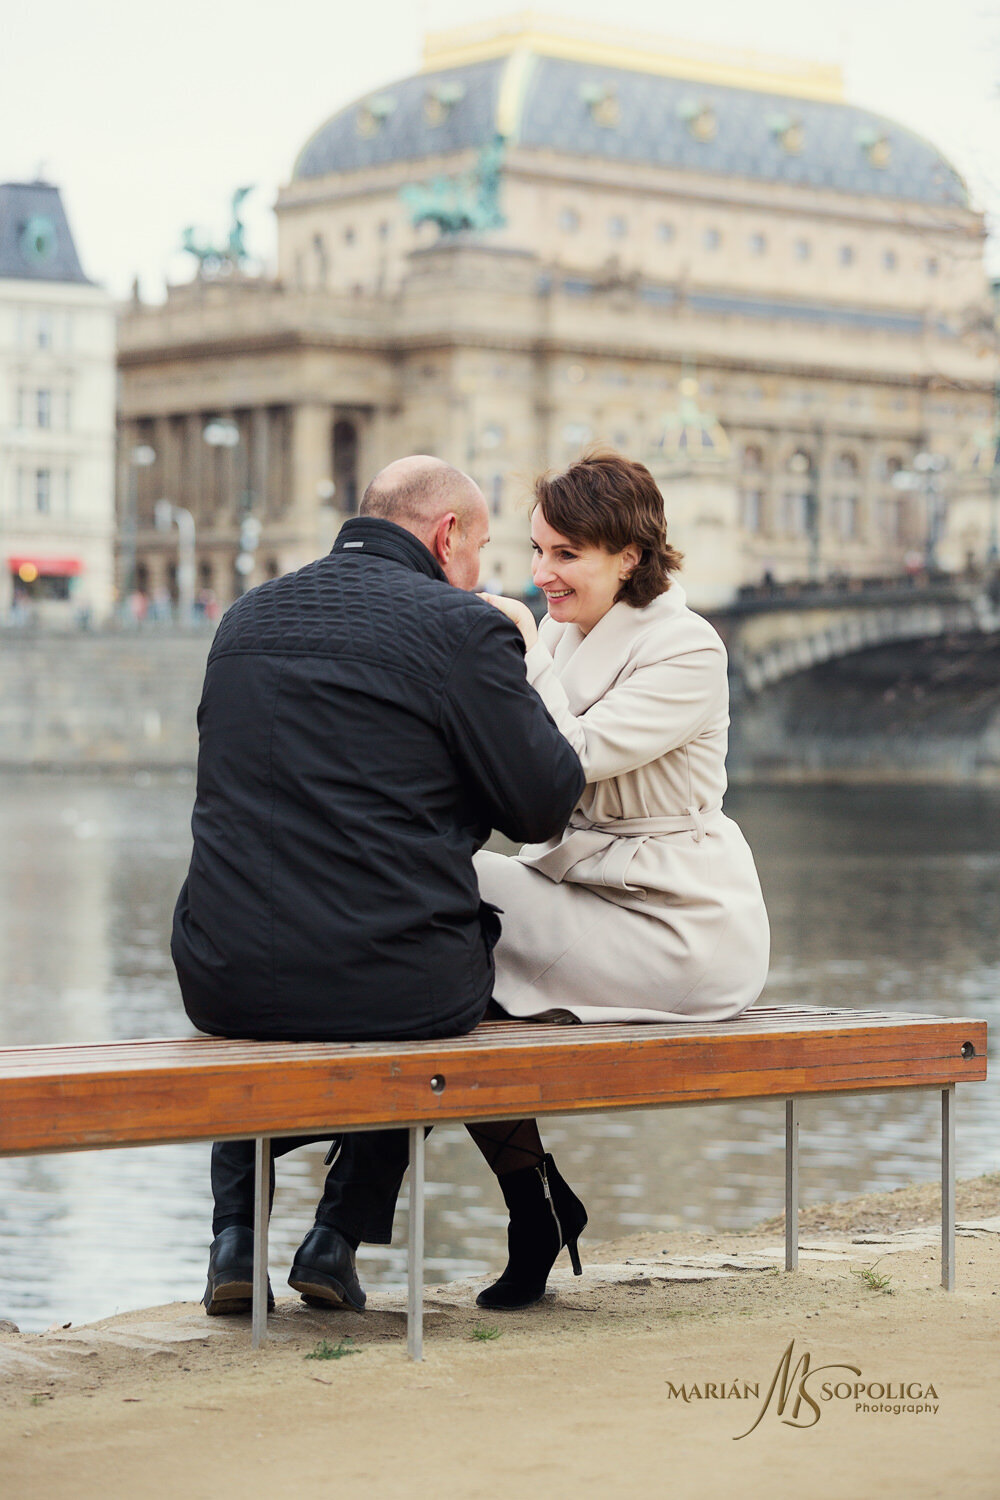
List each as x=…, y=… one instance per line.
x=323, y=1270
x=230, y=1273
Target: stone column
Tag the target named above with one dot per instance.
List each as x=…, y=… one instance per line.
x=376, y=443
x=869, y=479
x=310, y=465
x=257, y=468
x=195, y=450
x=167, y=444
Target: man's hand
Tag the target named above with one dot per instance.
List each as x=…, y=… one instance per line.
x=519, y=613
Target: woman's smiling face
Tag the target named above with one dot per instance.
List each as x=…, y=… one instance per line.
x=579, y=580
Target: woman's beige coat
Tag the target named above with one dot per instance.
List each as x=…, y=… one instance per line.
x=648, y=907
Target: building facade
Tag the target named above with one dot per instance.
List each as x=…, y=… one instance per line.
x=668, y=218
x=57, y=416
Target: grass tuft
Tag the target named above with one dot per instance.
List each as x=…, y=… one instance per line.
x=325, y=1350
x=873, y=1279
x=483, y=1333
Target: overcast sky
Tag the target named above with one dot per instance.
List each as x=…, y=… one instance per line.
x=148, y=117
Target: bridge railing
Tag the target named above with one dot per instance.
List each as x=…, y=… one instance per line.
x=929, y=587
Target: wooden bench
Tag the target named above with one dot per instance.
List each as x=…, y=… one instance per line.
x=153, y=1092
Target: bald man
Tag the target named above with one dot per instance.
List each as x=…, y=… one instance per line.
x=364, y=723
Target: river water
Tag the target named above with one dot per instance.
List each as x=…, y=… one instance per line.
x=881, y=897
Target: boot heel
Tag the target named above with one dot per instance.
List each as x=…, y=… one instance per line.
x=574, y=1256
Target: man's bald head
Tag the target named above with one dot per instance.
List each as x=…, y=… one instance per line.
x=440, y=505
x=416, y=492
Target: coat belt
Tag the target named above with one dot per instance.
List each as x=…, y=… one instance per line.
x=619, y=841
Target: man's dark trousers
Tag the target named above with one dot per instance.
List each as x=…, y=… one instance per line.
x=361, y=1188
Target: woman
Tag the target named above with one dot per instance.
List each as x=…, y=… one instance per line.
x=647, y=907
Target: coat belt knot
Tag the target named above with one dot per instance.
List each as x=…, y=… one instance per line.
x=615, y=843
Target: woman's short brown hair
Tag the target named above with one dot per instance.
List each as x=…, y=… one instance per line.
x=606, y=500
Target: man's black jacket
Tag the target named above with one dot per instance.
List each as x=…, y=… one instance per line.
x=363, y=726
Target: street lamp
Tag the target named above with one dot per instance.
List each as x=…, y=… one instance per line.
x=166, y=515
x=141, y=457
x=250, y=529
x=223, y=432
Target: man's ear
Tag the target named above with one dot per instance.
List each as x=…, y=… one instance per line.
x=444, y=537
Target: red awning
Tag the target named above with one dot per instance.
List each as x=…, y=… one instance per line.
x=48, y=567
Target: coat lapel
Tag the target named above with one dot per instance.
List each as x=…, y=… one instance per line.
x=588, y=665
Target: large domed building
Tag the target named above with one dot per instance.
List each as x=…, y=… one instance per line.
x=525, y=248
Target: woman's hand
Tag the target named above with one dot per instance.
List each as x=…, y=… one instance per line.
x=519, y=613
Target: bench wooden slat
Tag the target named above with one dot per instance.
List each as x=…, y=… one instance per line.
x=73, y=1098
x=196, y=1050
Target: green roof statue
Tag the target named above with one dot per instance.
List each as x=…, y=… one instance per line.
x=469, y=201
x=221, y=260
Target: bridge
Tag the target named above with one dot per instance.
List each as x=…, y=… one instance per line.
x=773, y=631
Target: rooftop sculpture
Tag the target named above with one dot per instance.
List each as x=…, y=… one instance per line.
x=221, y=260
x=469, y=201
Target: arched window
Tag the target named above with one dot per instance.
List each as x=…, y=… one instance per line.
x=798, y=500
x=751, y=488
x=847, y=509
x=752, y=510
x=846, y=503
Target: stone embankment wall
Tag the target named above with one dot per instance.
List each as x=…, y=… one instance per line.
x=915, y=711
x=92, y=701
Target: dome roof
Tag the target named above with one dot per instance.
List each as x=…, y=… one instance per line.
x=583, y=108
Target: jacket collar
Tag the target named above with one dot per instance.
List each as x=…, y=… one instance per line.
x=371, y=535
x=589, y=664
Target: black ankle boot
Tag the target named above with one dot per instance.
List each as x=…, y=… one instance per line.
x=545, y=1214
x=324, y=1271
x=230, y=1273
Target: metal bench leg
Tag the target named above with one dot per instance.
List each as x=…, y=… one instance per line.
x=261, y=1214
x=791, y=1184
x=948, y=1188
x=415, y=1249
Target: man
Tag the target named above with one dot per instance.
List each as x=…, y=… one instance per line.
x=364, y=723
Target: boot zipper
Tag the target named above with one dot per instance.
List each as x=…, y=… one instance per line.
x=548, y=1198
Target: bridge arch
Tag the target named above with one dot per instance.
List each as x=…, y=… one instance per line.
x=767, y=644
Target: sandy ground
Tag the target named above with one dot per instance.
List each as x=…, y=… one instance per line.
x=583, y=1395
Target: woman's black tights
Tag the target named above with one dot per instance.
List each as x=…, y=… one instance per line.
x=508, y=1145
